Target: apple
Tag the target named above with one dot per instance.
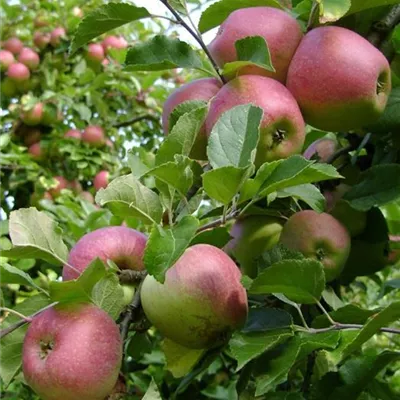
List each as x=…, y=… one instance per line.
x=13, y=44
x=109, y=143
x=75, y=186
x=40, y=22
x=56, y=35
x=73, y=133
x=282, y=130
x=280, y=30
x=34, y=115
x=95, y=52
x=321, y=150
x=114, y=42
x=94, y=135
x=18, y=72
x=87, y=196
x=349, y=87
x=8, y=87
x=201, y=300
x=101, y=180
x=318, y=236
x=6, y=59
x=252, y=236
x=35, y=151
x=29, y=57
x=200, y=89
x=72, y=352
x=41, y=39
x=77, y=12
x=61, y=184
x=124, y=246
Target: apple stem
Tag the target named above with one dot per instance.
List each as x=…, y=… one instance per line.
x=197, y=37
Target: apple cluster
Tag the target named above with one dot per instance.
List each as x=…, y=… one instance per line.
x=98, y=52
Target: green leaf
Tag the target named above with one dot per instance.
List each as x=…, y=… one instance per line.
x=217, y=237
x=178, y=5
x=301, y=281
x=127, y=197
x=152, y=392
x=380, y=185
x=218, y=12
x=36, y=235
x=184, y=108
x=180, y=359
x=332, y=10
x=222, y=184
x=251, y=51
x=360, y=5
x=11, y=274
x=266, y=319
x=78, y=290
x=11, y=345
x=166, y=245
x=104, y=19
x=183, y=133
x=308, y=193
x=233, y=140
x=84, y=111
x=108, y=295
x=247, y=346
x=384, y=318
x=162, y=53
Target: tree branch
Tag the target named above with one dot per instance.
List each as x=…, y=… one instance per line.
x=136, y=119
x=130, y=276
x=339, y=327
x=130, y=314
x=198, y=38
x=219, y=221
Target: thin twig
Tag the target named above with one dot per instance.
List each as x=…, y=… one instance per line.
x=338, y=327
x=219, y=221
x=174, y=21
x=198, y=39
x=340, y=152
x=18, y=314
x=130, y=276
x=326, y=313
x=136, y=119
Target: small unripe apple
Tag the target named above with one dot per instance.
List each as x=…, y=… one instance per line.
x=101, y=180
x=94, y=135
x=318, y=236
x=56, y=35
x=13, y=44
x=40, y=22
x=29, y=57
x=18, y=72
x=8, y=87
x=85, y=195
x=6, y=59
x=95, y=52
x=73, y=133
x=201, y=300
x=41, y=39
x=114, y=42
x=252, y=236
x=62, y=183
x=282, y=129
x=34, y=115
x=280, y=30
x=35, y=151
x=340, y=80
x=72, y=352
x=124, y=246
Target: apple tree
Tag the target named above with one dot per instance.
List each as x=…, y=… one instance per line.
x=193, y=220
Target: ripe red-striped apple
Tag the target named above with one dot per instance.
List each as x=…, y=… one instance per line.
x=41, y=39
x=13, y=44
x=201, y=300
x=73, y=133
x=124, y=246
x=18, y=72
x=200, y=89
x=280, y=30
x=318, y=236
x=114, y=42
x=95, y=52
x=101, y=180
x=56, y=35
x=94, y=135
x=282, y=130
x=35, y=150
x=72, y=352
x=34, y=115
x=349, y=87
x=6, y=59
x=29, y=57
x=61, y=184
x=252, y=236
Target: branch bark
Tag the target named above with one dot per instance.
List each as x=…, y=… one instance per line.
x=136, y=119
x=219, y=221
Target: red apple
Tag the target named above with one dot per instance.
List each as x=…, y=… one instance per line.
x=321, y=150
x=94, y=135
x=62, y=183
x=47, y=196
x=35, y=151
x=73, y=133
x=124, y=246
x=56, y=35
x=340, y=80
x=13, y=44
x=75, y=186
x=72, y=352
x=201, y=300
x=318, y=236
x=109, y=143
x=200, y=89
x=114, y=42
x=41, y=39
x=6, y=59
x=29, y=57
x=18, y=72
x=95, y=52
x=282, y=130
x=101, y=180
x=34, y=115
x=280, y=30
